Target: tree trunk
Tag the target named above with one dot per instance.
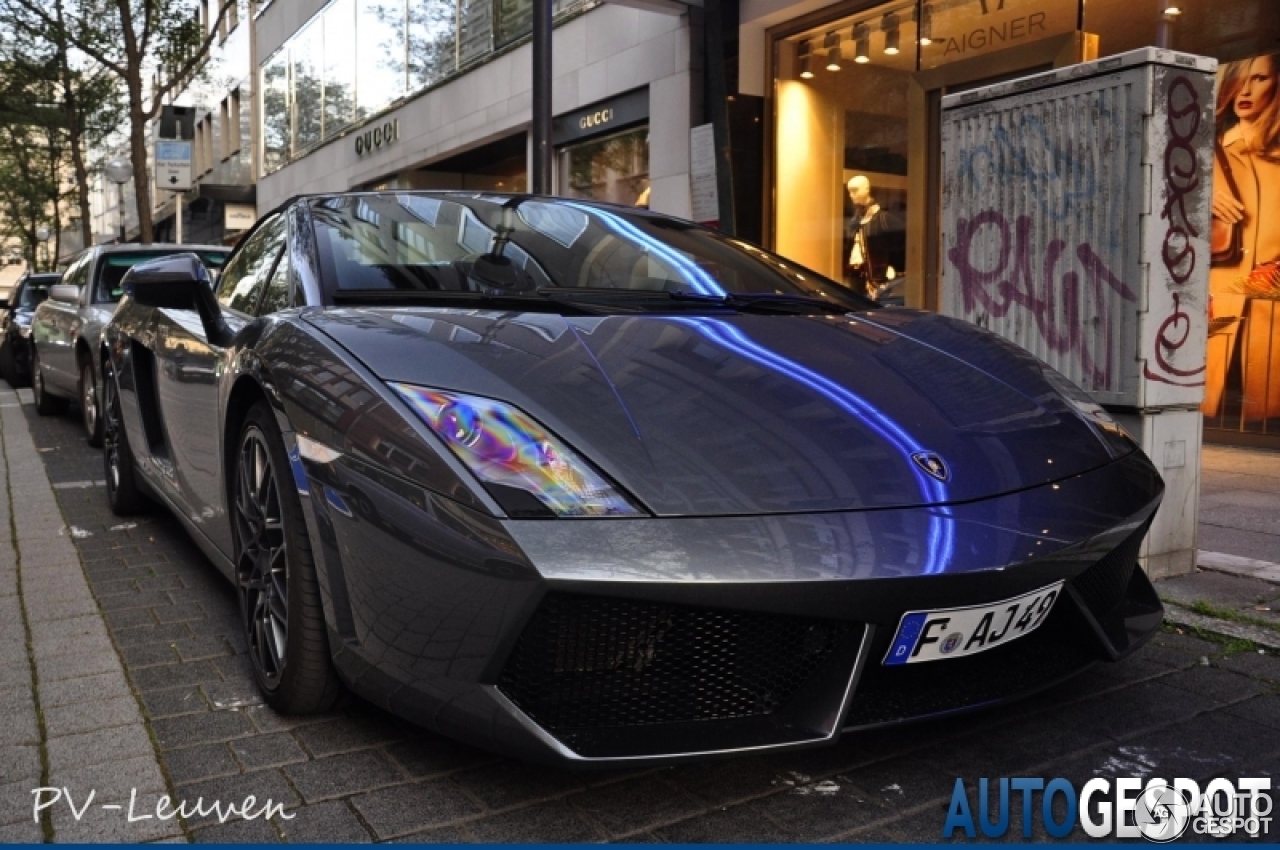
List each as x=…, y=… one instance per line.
x=138, y=156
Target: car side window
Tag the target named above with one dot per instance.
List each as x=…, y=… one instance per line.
x=243, y=280
x=277, y=294
x=78, y=272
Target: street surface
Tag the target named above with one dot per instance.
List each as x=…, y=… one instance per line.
x=162, y=699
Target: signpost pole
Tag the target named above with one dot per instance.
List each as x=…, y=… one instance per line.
x=177, y=218
x=541, y=124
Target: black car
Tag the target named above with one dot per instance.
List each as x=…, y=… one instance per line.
x=592, y=484
x=15, y=326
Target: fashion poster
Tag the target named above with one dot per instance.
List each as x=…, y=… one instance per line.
x=1243, y=376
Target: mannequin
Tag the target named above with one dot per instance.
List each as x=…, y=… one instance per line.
x=868, y=235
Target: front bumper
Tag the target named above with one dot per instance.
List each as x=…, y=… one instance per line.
x=620, y=641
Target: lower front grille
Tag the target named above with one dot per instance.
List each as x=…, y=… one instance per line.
x=1102, y=587
x=588, y=662
x=886, y=695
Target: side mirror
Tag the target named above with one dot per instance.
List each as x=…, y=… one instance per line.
x=65, y=292
x=178, y=282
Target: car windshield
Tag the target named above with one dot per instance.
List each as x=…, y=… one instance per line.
x=112, y=268
x=445, y=247
x=35, y=290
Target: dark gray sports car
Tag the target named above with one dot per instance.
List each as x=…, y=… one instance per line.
x=592, y=484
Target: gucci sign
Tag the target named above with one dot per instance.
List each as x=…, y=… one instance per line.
x=599, y=118
x=377, y=137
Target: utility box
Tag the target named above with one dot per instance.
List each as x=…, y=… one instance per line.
x=1075, y=222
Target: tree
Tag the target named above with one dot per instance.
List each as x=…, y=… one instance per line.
x=152, y=47
x=45, y=84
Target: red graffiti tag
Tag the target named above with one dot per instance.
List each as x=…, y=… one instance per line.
x=1178, y=252
x=1053, y=297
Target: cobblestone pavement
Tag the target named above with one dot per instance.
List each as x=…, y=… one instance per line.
x=1182, y=706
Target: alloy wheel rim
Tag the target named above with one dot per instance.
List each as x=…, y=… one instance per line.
x=261, y=570
x=89, y=401
x=110, y=431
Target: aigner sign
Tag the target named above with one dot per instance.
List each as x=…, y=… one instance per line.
x=375, y=138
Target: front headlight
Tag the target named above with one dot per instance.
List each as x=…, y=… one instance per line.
x=24, y=331
x=526, y=469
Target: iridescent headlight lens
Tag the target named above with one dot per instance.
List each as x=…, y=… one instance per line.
x=508, y=451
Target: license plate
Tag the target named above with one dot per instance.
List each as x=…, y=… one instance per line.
x=957, y=632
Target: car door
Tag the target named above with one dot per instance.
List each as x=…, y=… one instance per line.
x=55, y=336
x=187, y=374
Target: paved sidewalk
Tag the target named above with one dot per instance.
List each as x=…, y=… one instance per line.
x=1236, y=591
x=68, y=717
x=1182, y=706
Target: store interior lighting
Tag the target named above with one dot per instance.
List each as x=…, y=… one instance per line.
x=806, y=64
x=926, y=25
x=890, y=27
x=832, y=44
x=1172, y=8
x=862, y=44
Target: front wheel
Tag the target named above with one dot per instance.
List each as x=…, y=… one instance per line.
x=276, y=576
x=89, y=410
x=46, y=405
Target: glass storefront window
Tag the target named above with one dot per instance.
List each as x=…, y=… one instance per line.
x=381, y=48
x=306, y=58
x=614, y=169
x=275, y=111
x=339, y=67
x=512, y=19
x=432, y=41
x=965, y=29
x=841, y=147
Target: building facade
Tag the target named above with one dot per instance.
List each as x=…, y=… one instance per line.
x=857, y=86
x=435, y=94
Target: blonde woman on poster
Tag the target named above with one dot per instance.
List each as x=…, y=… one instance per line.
x=1247, y=286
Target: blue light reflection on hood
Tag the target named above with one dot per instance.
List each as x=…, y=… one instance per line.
x=941, y=533
x=695, y=276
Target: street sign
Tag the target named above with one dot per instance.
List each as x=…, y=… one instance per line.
x=173, y=165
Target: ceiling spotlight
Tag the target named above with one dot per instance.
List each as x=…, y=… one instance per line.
x=925, y=28
x=862, y=44
x=890, y=26
x=1172, y=8
x=806, y=64
x=832, y=43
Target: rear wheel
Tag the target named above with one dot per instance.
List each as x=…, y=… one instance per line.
x=123, y=493
x=46, y=405
x=276, y=577
x=89, y=410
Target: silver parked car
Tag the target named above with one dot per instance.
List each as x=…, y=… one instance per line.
x=68, y=325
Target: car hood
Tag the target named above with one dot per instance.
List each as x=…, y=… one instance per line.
x=719, y=415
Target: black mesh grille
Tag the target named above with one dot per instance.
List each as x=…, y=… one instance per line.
x=893, y=694
x=1103, y=586
x=588, y=662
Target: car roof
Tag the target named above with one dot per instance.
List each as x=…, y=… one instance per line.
x=130, y=247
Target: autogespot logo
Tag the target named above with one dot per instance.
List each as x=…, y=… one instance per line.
x=1159, y=811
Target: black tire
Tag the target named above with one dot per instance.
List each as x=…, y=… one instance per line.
x=8, y=368
x=288, y=644
x=90, y=409
x=46, y=405
x=123, y=492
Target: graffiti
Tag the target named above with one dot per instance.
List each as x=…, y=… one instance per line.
x=1057, y=182
x=1052, y=290
x=1178, y=250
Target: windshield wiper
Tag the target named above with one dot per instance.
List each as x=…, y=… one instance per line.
x=486, y=300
